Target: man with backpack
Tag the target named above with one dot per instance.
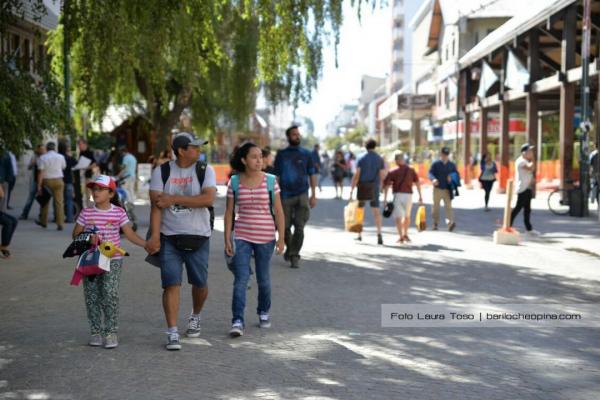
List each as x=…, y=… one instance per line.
x=295, y=168
x=182, y=193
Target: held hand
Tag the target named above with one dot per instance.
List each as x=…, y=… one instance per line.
x=420, y=200
x=94, y=239
x=153, y=245
x=312, y=202
x=280, y=246
x=228, y=247
x=435, y=182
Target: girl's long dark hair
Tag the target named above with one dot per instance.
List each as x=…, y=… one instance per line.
x=242, y=152
x=115, y=199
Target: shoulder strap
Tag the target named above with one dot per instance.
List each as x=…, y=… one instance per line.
x=165, y=171
x=271, y=190
x=234, y=181
x=200, y=172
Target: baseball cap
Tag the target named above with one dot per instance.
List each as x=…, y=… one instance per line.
x=103, y=181
x=526, y=147
x=184, y=139
x=445, y=150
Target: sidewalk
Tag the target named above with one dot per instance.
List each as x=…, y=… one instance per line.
x=327, y=341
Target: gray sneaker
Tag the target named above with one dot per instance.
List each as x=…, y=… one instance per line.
x=295, y=262
x=95, y=340
x=111, y=341
x=237, y=329
x=193, y=329
x=264, y=321
x=173, y=341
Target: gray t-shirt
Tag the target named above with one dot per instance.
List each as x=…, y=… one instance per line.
x=178, y=220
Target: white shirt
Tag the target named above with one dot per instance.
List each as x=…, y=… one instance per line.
x=524, y=176
x=178, y=219
x=52, y=164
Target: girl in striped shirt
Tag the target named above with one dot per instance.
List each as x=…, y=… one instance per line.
x=255, y=226
x=101, y=292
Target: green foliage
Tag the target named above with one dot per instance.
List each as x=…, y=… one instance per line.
x=354, y=135
x=28, y=109
x=211, y=56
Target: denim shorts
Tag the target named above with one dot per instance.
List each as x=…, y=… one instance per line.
x=172, y=260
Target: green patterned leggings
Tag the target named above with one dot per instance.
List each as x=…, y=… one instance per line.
x=102, y=296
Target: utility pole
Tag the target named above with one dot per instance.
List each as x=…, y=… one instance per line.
x=586, y=125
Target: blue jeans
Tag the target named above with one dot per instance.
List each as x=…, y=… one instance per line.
x=9, y=224
x=241, y=271
x=69, y=193
x=172, y=260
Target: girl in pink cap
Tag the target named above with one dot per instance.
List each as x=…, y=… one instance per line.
x=101, y=292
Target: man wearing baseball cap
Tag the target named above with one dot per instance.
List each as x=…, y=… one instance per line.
x=180, y=224
x=524, y=167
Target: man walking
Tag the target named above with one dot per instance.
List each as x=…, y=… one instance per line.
x=317, y=162
x=370, y=172
x=51, y=175
x=33, y=167
x=440, y=174
x=524, y=167
x=128, y=173
x=295, y=168
x=401, y=180
x=82, y=196
x=182, y=191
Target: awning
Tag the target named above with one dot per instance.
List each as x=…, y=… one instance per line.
x=534, y=13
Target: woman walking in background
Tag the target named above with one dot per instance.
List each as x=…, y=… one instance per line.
x=487, y=176
x=338, y=172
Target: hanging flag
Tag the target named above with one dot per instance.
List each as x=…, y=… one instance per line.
x=517, y=75
x=488, y=78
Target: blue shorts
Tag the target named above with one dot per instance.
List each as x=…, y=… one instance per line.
x=172, y=260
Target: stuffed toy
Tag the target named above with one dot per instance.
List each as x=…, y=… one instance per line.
x=110, y=250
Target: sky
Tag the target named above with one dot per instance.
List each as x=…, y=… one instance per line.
x=364, y=49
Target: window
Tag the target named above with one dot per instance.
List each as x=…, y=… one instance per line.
x=447, y=58
x=26, y=54
x=453, y=46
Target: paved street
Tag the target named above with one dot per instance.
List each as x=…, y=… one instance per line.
x=326, y=341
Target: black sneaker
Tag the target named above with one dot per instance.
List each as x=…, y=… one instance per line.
x=451, y=226
x=22, y=218
x=435, y=228
x=379, y=239
x=38, y=222
x=295, y=262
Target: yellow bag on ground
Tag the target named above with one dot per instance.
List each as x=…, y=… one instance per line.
x=421, y=219
x=353, y=217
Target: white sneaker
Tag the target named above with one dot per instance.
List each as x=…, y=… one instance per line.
x=111, y=341
x=264, y=321
x=237, y=329
x=173, y=341
x=533, y=232
x=193, y=329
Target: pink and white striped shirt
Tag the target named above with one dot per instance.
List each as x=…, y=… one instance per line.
x=107, y=222
x=254, y=222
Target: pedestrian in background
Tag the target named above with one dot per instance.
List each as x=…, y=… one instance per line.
x=9, y=225
x=401, y=179
x=13, y=179
x=101, y=292
x=52, y=165
x=258, y=214
x=69, y=192
x=33, y=178
x=524, y=167
x=82, y=194
x=317, y=162
x=440, y=175
x=6, y=176
x=487, y=177
x=338, y=172
x=296, y=171
x=324, y=169
x=128, y=173
x=267, y=159
x=370, y=172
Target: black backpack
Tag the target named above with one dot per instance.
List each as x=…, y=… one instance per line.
x=165, y=172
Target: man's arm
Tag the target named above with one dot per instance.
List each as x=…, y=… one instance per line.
x=153, y=243
x=204, y=199
x=313, y=193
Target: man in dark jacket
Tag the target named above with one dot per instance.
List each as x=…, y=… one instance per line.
x=440, y=174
